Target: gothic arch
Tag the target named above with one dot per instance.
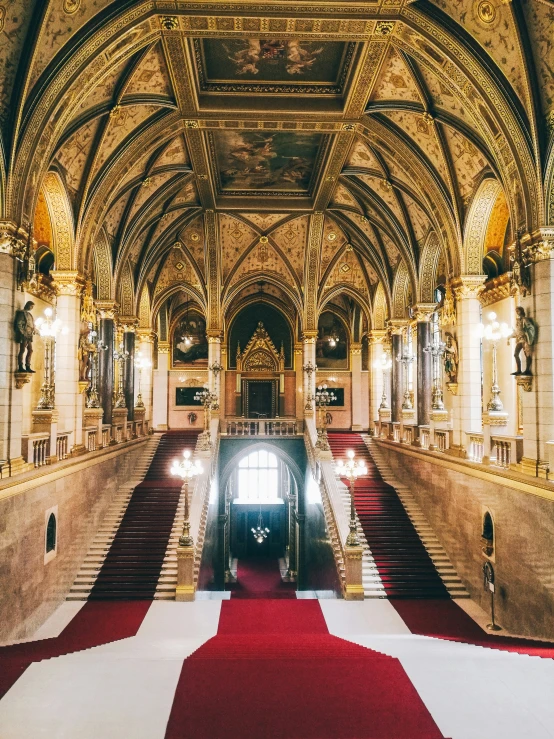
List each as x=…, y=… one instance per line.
x=380, y=311
x=126, y=291
x=61, y=218
x=477, y=224
x=428, y=269
x=144, y=308
x=400, y=291
x=102, y=261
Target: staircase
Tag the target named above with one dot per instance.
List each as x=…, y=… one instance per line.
x=128, y=558
x=404, y=566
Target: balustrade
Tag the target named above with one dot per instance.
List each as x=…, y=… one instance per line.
x=441, y=440
x=424, y=437
x=262, y=427
x=90, y=438
x=475, y=447
x=106, y=434
x=36, y=449
x=62, y=446
x=408, y=434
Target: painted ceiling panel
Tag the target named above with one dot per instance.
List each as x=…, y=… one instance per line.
x=151, y=76
x=423, y=133
x=147, y=191
x=174, y=153
x=264, y=221
x=341, y=196
x=235, y=238
x=105, y=90
x=74, y=154
x=468, y=162
x=121, y=126
x=333, y=240
x=362, y=156
x=540, y=23
x=347, y=271
x=420, y=223
x=291, y=238
x=264, y=258
x=385, y=192
x=188, y=195
x=192, y=237
x=396, y=81
x=115, y=214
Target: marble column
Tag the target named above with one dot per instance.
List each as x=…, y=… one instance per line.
x=11, y=412
x=69, y=399
x=396, y=372
x=106, y=335
x=376, y=350
x=129, y=371
x=146, y=348
x=309, y=341
x=423, y=314
x=537, y=395
x=356, y=379
x=215, y=379
x=468, y=311
x=160, y=398
x=299, y=392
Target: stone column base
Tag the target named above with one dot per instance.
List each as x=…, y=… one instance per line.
x=354, y=589
x=119, y=418
x=46, y=421
x=185, y=574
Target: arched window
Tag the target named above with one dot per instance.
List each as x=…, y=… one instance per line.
x=51, y=534
x=258, y=477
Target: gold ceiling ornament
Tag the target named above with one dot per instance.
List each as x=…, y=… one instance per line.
x=331, y=236
x=486, y=11
x=169, y=22
x=194, y=236
x=147, y=182
x=384, y=28
x=71, y=6
x=263, y=240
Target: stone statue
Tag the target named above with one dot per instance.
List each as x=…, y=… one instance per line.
x=525, y=334
x=451, y=359
x=24, y=329
x=84, y=353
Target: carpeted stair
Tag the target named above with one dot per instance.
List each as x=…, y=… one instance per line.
x=132, y=567
x=405, y=568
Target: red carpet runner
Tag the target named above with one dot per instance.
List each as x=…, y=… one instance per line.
x=261, y=578
x=95, y=624
x=404, y=566
x=274, y=671
x=134, y=562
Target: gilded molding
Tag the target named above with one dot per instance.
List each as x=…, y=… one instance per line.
x=468, y=286
x=496, y=289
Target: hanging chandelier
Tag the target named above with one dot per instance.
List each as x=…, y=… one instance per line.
x=260, y=532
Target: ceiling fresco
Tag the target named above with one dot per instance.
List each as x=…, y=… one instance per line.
x=264, y=162
x=273, y=65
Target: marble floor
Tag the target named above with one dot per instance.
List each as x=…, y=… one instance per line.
x=126, y=688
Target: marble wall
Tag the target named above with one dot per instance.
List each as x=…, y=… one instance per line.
x=454, y=503
x=30, y=590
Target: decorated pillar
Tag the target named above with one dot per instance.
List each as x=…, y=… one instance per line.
x=356, y=387
x=309, y=341
x=129, y=342
x=423, y=312
x=69, y=398
x=468, y=314
x=397, y=371
x=216, y=376
x=143, y=384
x=106, y=344
x=11, y=382
x=299, y=380
x=537, y=389
x=376, y=375
x=161, y=388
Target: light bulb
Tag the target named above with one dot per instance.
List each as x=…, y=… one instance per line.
x=186, y=453
x=48, y=312
x=350, y=454
x=491, y=316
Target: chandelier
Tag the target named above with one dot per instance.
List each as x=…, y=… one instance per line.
x=260, y=532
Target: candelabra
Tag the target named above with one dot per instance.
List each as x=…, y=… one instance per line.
x=436, y=350
x=384, y=364
x=93, y=399
x=323, y=399
x=141, y=363
x=309, y=369
x=120, y=357
x=351, y=470
x=48, y=328
x=207, y=399
x=186, y=469
x=406, y=359
x=493, y=331
x=216, y=368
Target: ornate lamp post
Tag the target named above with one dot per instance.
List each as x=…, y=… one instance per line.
x=141, y=362
x=384, y=364
x=49, y=328
x=207, y=399
x=120, y=357
x=351, y=470
x=323, y=399
x=406, y=359
x=309, y=369
x=493, y=331
x=186, y=469
x=97, y=345
x=216, y=368
x=436, y=350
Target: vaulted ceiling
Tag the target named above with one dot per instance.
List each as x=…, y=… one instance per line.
x=329, y=147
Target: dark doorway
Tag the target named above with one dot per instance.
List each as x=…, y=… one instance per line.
x=260, y=398
x=244, y=518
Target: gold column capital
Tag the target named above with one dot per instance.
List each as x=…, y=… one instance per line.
x=108, y=309
x=68, y=282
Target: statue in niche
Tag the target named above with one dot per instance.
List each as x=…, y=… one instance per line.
x=24, y=329
x=451, y=359
x=84, y=352
x=525, y=334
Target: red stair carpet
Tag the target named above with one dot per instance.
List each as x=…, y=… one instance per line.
x=95, y=624
x=134, y=561
x=274, y=671
x=404, y=566
x=260, y=577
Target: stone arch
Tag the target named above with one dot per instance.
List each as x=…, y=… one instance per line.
x=380, y=311
x=477, y=224
x=360, y=300
x=401, y=291
x=126, y=291
x=102, y=261
x=428, y=269
x=550, y=186
x=61, y=219
x=144, y=308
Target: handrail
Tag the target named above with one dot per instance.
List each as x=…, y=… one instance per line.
x=261, y=427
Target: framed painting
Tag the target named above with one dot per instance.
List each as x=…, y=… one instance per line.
x=189, y=345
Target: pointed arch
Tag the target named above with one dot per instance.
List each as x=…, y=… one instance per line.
x=126, y=291
x=144, y=308
x=476, y=225
x=380, y=311
x=102, y=262
x=428, y=268
x=61, y=218
x=400, y=291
